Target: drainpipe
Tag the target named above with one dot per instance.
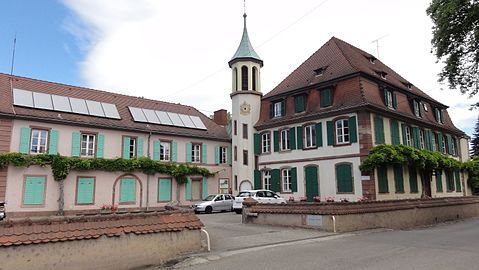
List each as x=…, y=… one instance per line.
x=334, y=223
x=148, y=176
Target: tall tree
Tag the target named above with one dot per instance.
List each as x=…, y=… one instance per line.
x=456, y=41
x=475, y=141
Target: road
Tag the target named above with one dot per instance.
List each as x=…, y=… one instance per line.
x=445, y=246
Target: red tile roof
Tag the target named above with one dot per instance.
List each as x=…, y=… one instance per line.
x=54, y=229
x=122, y=103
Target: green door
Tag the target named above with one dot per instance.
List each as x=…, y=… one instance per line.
x=312, y=185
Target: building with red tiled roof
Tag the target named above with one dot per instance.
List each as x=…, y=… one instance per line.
x=39, y=117
x=310, y=133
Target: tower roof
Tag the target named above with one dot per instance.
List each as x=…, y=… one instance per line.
x=245, y=50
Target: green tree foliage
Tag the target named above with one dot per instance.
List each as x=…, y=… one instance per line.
x=475, y=141
x=456, y=41
x=472, y=167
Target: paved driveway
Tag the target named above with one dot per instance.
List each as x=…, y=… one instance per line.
x=228, y=233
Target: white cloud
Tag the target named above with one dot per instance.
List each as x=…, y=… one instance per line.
x=178, y=51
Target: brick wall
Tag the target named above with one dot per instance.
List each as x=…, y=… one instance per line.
x=365, y=145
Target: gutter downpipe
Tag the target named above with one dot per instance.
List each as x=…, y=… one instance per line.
x=148, y=176
x=334, y=223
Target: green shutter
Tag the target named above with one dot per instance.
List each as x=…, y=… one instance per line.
x=283, y=108
x=326, y=98
x=25, y=140
x=271, y=110
x=126, y=147
x=34, y=190
x=427, y=139
x=100, y=146
x=217, y=154
x=439, y=142
x=292, y=138
x=344, y=178
x=398, y=179
x=311, y=179
x=439, y=181
x=139, y=147
x=415, y=134
x=188, y=190
x=404, y=136
x=204, y=153
x=450, y=180
x=189, y=148
x=257, y=179
x=76, y=144
x=229, y=156
x=413, y=180
x=156, y=150
x=353, y=136
x=449, y=144
x=299, y=140
x=276, y=140
x=385, y=93
x=458, y=180
x=174, y=151
x=53, y=145
x=319, y=134
x=379, y=129
x=204, y=188
x=128, y=190
x=394, y=132
x=85, y=190
x=395, y=101
x=299, y=103
x=257, y=143
x=164, y=190
x=330, y=130
x=383, y=179
x=275, y=180
x=294, y=179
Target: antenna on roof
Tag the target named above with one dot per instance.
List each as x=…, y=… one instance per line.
x=244, y=6
x=377, y=44
x=13, y=53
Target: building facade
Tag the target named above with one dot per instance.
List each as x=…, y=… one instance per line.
x=311, y=132
x=39, y=117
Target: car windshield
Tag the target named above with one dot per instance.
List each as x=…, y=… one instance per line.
x=210, y=198
x=244, y=194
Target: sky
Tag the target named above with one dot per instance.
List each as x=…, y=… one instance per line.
x=178, y=51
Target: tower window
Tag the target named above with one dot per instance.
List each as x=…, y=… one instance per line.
x=235, y=79
x=255, y=74
x=244, y=78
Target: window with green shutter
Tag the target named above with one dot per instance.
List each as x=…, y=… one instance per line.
x=292, y=138
x=275, y=180
x=139, y=148
x=85, y=190
x=127, y=190
x=398, y=179
x=188, y=189
x=164, y=189
x=299, y=102
x=294, y=179
x=330, y=132
x=383, y=184
x=457, y=177
x=126, y=147
x=276, y=141
x=413, y=180
x=257, y=179
x=395, y=139
x=299, y=137
x=344, y=178
x=379, y=129
x=53, y=144
x=204, y=188
x=76, y=138
x=450, y=181
x=25, y=140
x=34, y=190
x=439, y=181
x=174, y=151
x=353, y=136
x=257, y=143
x=326, y=97
x=156, y=149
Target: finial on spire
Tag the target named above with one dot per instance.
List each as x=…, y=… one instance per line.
x=244, y=7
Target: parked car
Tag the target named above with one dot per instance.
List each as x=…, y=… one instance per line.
x=260, y=195
x=215, y=202
x=2, y=210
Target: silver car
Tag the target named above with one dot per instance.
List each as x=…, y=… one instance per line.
x=216, y=202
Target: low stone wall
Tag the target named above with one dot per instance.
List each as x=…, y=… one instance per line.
x=112, y=241
x=344, y=217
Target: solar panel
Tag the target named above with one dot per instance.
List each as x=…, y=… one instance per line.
x=164, y=118
x=137, y=114
x=197, y=121
x=78, y=106
x=187, y=121
x=42, y=101
x=22, y=98
x=175, y=118
x=110, y=110
x=94, y=108
x=61, y=103
x=151, y=116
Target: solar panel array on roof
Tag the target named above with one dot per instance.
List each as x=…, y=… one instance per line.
x=166, y=118
x=64, y=104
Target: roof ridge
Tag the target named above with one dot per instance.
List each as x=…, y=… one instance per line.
x=335, y=39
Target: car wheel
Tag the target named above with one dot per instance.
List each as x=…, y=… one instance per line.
x=238, y=211
x=208, y=210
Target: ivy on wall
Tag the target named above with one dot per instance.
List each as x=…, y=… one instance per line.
x=472, y=167
x=62, y=165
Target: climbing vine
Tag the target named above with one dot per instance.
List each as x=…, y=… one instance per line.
x=472, y=167
x=62, y=165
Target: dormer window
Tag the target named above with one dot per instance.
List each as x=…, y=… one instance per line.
x=408, y=85
x=416, y=108
x=277, y=109
x=371, y=59
x=424, y=105
x=439, y=115
x=319, y=71
x=382, y=74
x=390, y=99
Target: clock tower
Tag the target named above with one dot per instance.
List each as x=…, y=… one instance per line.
x=246, y=102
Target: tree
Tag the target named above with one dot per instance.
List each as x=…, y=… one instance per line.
x=456, y=41
x=475, y=141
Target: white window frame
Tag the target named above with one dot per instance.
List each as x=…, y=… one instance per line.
x=132, y=146
x=310, y=136
x=342, y=131
x=267, y=179
x=39, y=135
x=408, y=136
x=88, y=145
x=196, y=153
x=443, y=150
x=223, y=155
x=277, y=109
x=422, y=143
x=453, y=146
x=266, y=142
x=284, y=143
x=389, y=99
x=165, y=151
x=286, y=184
x=433, y=138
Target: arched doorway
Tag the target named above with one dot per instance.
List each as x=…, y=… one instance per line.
x=312, y=183
x=245, y=185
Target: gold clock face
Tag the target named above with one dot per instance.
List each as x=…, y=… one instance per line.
x=245, y=108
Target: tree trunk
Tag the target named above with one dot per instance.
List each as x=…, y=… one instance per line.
x=426, y=184
x=178, y=193
x=61, y=198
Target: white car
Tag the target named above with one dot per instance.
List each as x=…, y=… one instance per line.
x=216, y=202
x=260, y=195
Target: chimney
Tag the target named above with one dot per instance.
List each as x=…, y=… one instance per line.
x=220, y=117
